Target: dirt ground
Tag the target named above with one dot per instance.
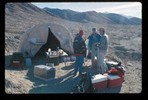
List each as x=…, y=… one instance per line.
x=22, y=81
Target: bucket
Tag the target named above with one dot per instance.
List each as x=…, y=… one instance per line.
x=28, y=62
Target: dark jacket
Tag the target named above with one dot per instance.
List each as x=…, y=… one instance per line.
x=79, y=46
x=93, y=38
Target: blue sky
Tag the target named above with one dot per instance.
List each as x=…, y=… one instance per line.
x=125, y=8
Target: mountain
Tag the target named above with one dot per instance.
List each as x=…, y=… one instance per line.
x=92, y=16
x=135, y=20
x=119, y=19
x=24, y=16
x=65, y=14
x=23, y=7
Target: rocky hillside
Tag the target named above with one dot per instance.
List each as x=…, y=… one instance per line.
x=92, y=16
x=125, y=40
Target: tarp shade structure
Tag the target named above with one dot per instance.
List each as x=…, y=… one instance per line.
x=52, y=43
x=36, y=37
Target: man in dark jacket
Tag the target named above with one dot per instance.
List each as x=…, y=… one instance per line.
x=80, y=51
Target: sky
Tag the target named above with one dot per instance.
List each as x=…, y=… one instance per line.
x=124, y=8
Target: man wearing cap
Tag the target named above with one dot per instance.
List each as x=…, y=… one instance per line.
x=93, y=46
x=79, y=51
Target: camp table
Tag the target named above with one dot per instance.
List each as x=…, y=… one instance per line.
x=53, y=58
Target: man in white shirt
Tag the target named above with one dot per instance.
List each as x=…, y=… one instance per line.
x=104, y=42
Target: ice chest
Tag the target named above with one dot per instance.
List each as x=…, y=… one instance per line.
x=115, y=80
x=99, y=81
x=17, y=64
x=44, y=72
x=17, y=60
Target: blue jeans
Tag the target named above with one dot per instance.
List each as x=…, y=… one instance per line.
x=79, y=64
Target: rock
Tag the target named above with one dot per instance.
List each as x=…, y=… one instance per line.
x=129, y=64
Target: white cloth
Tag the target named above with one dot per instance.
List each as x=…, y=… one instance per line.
x=102, y=64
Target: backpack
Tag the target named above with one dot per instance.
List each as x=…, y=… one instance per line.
x=113, y=71
x=85, y=85
x=116, y=68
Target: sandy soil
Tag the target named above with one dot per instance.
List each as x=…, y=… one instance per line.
x=22, y=81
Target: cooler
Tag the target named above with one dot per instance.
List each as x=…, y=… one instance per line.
x=99, y=81
x=44, y=72
x=115, y=80
x=17, y=60
x=17, y=64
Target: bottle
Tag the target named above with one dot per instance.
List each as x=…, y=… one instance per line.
x=57, y=50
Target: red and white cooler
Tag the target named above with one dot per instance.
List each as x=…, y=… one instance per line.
x=99, y=81
x=16, y=64
x=114, y=80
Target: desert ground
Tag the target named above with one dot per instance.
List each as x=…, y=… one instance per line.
x=127, y=50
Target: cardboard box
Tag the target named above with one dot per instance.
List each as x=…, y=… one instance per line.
x=44, y=72
x=99, y=81
x=114, y=80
